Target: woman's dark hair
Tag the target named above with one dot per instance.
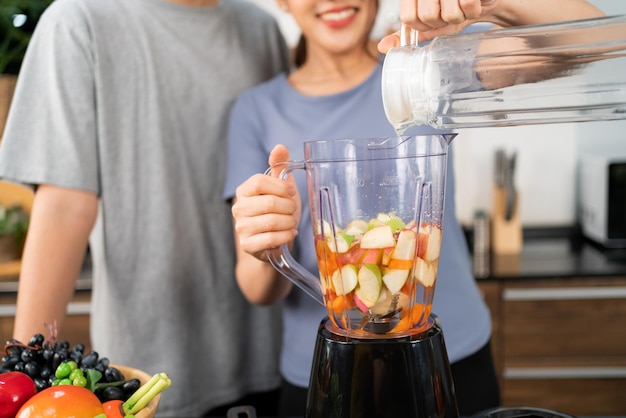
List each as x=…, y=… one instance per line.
x=299, y=55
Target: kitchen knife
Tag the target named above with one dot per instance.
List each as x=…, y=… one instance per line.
x=509, y=186
x=499, y=169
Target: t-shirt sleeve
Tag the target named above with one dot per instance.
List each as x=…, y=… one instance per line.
x=50, y=136
x=246, y=153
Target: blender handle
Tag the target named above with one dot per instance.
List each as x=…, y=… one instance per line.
x=282, y=260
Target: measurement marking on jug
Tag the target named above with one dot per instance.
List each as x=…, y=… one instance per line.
x=390, y=181
x=358, y=182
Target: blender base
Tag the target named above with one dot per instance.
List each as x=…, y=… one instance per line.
x=399, y=377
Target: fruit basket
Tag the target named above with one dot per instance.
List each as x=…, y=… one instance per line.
x=149, y=410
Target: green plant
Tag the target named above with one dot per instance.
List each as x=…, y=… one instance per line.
x=14, y=223
x=18, y=19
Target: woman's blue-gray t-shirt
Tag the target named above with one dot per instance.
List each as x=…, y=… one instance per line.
x=274, y=113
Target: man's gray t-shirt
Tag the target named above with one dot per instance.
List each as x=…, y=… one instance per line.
x=129, y=99
x=274, y=113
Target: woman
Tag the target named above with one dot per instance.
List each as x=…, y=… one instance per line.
x=334, y=92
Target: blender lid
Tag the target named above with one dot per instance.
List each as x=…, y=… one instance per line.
x=522, y=412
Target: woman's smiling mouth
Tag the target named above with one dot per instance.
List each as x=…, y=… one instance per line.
x=338, y=18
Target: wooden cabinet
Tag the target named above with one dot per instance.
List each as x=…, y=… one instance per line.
x=76, y=326
x=561, y=343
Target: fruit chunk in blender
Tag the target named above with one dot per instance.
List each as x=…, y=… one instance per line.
x=365, y=268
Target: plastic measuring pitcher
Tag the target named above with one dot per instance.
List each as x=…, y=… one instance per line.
x=377, y=216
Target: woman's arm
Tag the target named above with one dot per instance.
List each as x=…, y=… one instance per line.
x=266, y=212
x=531, y=12
x=259, y=282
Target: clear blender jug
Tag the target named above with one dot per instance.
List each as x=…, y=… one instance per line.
x=377, y=217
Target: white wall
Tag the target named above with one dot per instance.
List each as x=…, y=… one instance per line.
x=546, y=160
x=547, y=154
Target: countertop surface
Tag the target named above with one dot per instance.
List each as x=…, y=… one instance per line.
x=546, y=253
x=560, y=254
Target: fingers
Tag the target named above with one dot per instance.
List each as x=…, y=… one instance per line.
x=261, y=195
x=264, y=211
x=388, y=42
x=425, y=15
x=434, y=18
x=266, y=208
x=472, y=9
x=275, y=232
x=279, y=156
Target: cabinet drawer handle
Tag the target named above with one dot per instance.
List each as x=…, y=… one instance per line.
x=565, y=293
x=564, y=373
x=73, y=308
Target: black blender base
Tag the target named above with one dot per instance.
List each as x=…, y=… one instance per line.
x=381, y=378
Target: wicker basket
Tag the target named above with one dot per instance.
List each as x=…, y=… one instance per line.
x=129, y=373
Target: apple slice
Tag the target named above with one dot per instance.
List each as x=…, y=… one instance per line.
x=383, y=217
x=383, y=303
x=374, y=223
x=323, y=284
x=345, y=279
x=356, y=228
x=340, y=244
x=352, y=256
x=357, y=255
x=359, y=303
x=370, y=284
x=395, y=223
x=405, y=246
x=429, y=242
x=323, y=226
x=411, y=225
x=387, y=255
x=424, y=272
x=395, y=279
x=371, y=256
x=378, y=237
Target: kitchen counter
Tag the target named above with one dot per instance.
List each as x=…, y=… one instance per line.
x=547, y=252
x=558, y=253
x=558, y=316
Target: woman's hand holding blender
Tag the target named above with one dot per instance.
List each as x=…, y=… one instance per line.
x=266, y=213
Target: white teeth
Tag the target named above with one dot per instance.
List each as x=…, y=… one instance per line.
x=338, y=15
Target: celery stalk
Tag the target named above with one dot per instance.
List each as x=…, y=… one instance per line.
x=138, y=400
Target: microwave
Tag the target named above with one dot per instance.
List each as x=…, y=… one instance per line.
x=602, y=199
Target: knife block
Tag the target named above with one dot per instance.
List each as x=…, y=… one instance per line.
x=506, y=235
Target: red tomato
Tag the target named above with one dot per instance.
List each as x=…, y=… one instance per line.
x=113, y=409
x=63, y=401
x=15, y=389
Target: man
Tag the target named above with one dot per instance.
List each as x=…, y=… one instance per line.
x=119, y=121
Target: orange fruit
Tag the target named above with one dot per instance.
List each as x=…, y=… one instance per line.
x=63, y=401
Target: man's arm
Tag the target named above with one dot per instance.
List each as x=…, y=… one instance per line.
x=60, y=224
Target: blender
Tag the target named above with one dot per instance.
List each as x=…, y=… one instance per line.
x=377, y=216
